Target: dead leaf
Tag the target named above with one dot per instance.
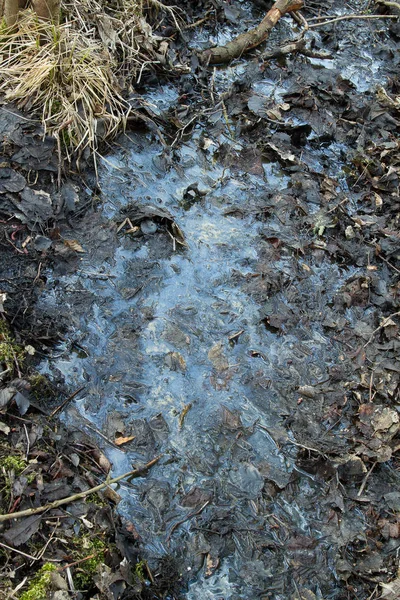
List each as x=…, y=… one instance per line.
x=101, y=460
x=212, y=563
x=231, y=419
x=74, y=245
x=217, y=357
x=6, y=395
x=284, y=155
x=388, y=529
x=22, y=531
x=386, y=420
x=206, y=143
x=120, y=440
x=175, y=362
x=391, y=591
x=183, y=414
x=112, y=495
x=3, y=298
x=274, y=114
x=4, y=428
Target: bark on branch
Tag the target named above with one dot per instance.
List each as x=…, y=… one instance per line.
x=253, y=38
x=35, y=511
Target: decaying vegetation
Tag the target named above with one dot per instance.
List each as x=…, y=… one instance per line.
x=76, y=70
x=339, y=428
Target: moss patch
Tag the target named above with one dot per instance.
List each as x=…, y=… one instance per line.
x=11, y=466
x=11, y=353
x=41, y=387
x=40, y=585
x=95, y=548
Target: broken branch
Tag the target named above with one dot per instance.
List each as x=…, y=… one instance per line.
x=253, y=38
x=34, y=511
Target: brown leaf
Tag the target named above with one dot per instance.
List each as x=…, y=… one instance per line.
x=120, y=440
x=74, y=245
x=231, y=419
x=217, y=357
x=391, y=591
x=112, y=495
x=212, y=563
x=175, y=362
x=101, y=460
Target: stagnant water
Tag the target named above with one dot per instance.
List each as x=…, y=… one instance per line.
x=172, y=345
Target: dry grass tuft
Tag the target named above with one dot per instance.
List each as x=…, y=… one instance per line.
x=66, y=76
x=74, y=74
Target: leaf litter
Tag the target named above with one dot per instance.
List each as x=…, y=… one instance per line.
x=339, y=431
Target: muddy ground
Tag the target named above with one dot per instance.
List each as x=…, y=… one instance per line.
x=243, y=323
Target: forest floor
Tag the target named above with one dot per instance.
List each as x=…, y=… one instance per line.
x=294, y=158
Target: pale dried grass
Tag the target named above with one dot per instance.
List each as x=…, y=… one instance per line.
x=74, y=74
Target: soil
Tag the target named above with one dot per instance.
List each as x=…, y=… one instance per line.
x=230, y=301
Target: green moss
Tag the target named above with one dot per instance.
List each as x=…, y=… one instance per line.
x=10, y=352
x=138, y=570
x=99, y=500
x=41, y=387
x=86, y=570
x=13, y=463
x=40, y=585
x=11, y=466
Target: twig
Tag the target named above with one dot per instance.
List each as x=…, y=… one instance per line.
x=199, y=22
x=28, y=445
x=189, y=516
x=70, y=579
x=18, y=551
x=37, y=275
x=65, y=402
x=309, y=448
x=35, y=511
x=43, y=550
x=347, y=17
x=300, y=20
x=388, y=263
x=105, y=438
x=78, y=562
x=289, y=441
x=252, y=38
x=5, y=372
x=388, y=3
x=150, y=574
x=362, y=486
x=19, y=586
x=371, y=381
x=383, y=324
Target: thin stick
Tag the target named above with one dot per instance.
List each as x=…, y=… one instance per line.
x=78, y=562
x=189, y=516
x=63, y=404
x=18, y=551
x=105, y=438
x=35, y=511
x=388, y=3
x=43, y=550
x=20, y=585
x=388, y=263
x=347, y=17
x=384, y=322
x=309, y=448
x=28, y=445
x=360, y=491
